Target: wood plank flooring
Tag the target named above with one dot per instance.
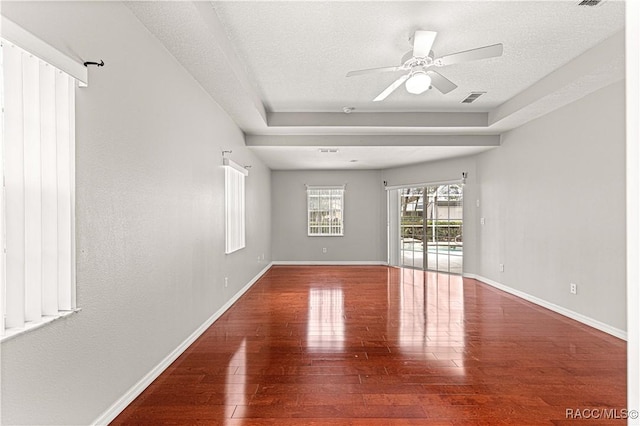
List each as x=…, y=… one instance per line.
x=383, y=346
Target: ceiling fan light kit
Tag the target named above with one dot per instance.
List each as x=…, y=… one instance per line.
x=419, y=63
x=418, y=83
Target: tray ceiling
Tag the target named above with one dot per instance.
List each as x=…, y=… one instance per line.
x=278, y=68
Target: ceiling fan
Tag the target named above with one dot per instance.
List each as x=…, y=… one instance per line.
x=419, y=64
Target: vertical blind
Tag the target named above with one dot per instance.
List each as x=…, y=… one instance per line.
x=38, y=149
x=234, y=175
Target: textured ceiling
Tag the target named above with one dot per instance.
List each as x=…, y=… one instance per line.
x=297, y=53
x=278, y=68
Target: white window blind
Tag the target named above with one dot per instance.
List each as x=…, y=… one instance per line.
x=234, y=175
x=38, y=216
x=325, y=208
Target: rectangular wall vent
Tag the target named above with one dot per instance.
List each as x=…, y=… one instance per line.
x=472, y=97
x=590, y=2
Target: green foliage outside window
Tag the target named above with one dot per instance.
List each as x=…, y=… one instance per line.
x=446, y=230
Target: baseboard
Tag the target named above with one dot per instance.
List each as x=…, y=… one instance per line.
x=330, y=262
x=621, y=334
x=122, y=403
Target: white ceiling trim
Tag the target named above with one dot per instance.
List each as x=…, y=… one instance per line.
x=192, y=33
x=379, y=119
x=374, y=140
x=598, y=67
x=210, y=19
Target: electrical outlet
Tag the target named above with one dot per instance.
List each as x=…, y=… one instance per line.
x=573, y=288
x=226, y=282
x=501, y=267
x=324, y=249
x=477, y=203
x=482, y=221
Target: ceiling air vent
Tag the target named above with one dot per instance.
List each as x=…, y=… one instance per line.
x=590, y=2
x=472, y=97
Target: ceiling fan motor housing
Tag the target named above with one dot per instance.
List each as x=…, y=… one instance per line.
x=410, y=61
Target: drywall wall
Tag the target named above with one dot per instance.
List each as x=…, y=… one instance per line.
x=553, y=197
x=447, y=171
x=150, y=219
x=632, y=45
x=364, y=237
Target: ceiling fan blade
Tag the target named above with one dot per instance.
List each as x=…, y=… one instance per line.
x=422, y=43
x=471, y=55
x=440, y=82
x=374, y=71
x=386, y=92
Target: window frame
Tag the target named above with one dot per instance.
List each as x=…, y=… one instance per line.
x=330, y=195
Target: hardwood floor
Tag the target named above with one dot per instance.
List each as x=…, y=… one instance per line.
x=381, y=346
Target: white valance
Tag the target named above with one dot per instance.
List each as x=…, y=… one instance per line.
x=235, y=166
x=22, y=38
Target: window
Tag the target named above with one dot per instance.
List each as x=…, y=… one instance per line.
x=234, y=175
x=325, y=207
x=38, y=215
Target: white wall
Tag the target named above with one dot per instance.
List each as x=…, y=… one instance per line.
x=447, y=171
x=150, y=219
x=547, y=195
x=633, y=205
x=364, y=237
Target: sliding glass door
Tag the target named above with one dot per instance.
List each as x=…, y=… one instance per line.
x=430, y=222
x=412, y=227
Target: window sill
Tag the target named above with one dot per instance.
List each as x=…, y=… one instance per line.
x=10, y=333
